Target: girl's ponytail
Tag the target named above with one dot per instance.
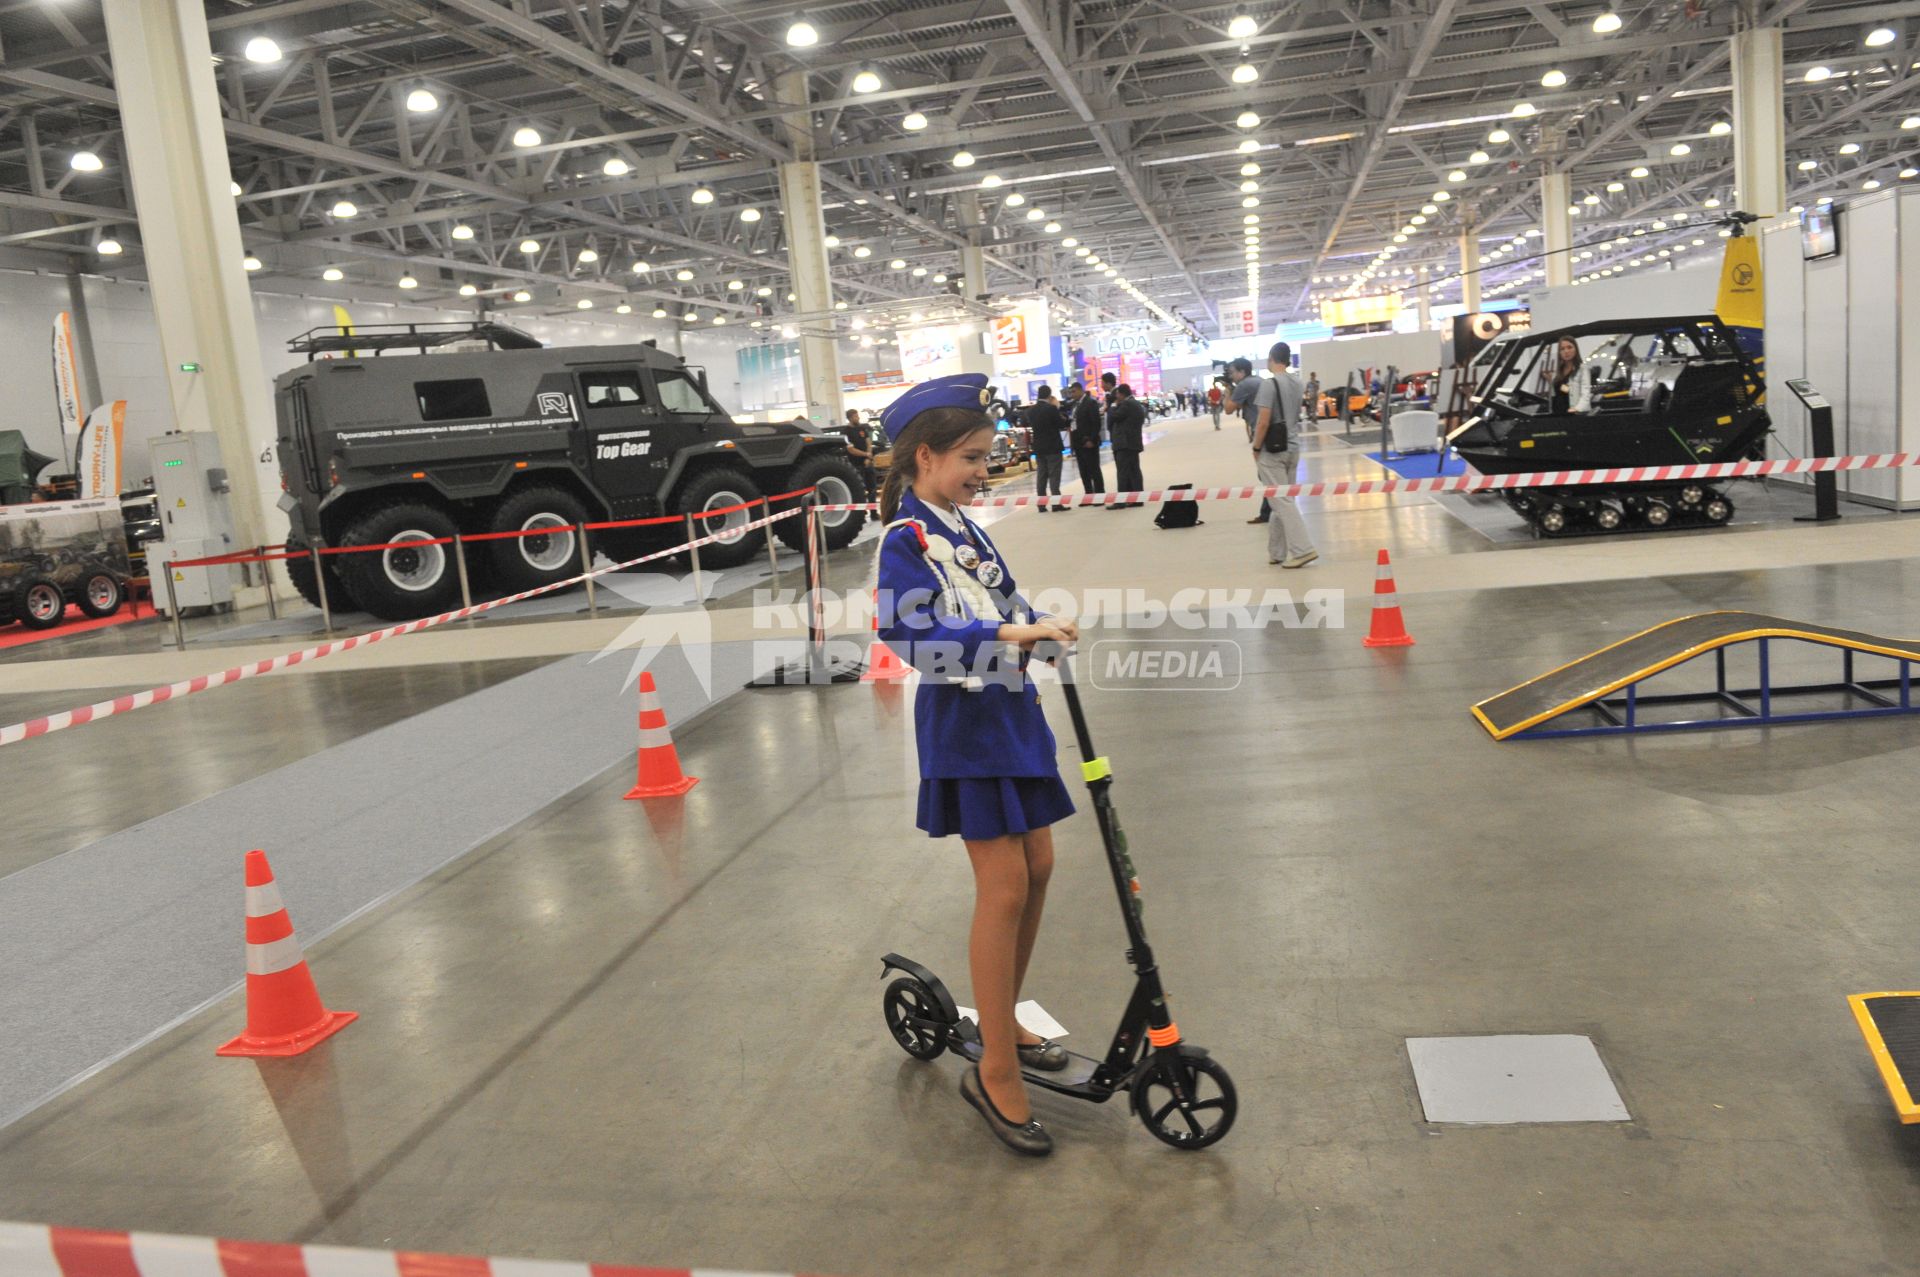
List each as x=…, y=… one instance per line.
x=899, y=478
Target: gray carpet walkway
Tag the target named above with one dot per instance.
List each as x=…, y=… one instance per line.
x=108, y=945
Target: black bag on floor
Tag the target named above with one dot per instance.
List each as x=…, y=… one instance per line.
x=1178, y=514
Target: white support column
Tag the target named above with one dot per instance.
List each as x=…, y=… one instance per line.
x=973, y=257
x=807, y=254
x=1556, y=227
x=1424, y=301
x=1759, y=122
x=176, y=155
x=1469, y=269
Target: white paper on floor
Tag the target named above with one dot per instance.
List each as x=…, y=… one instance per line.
x=1031, y=1016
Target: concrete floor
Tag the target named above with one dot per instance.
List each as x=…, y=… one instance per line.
x=651, y=1033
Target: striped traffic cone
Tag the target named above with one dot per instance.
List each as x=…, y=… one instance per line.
x=883, y=663
x=1387, y=630
x=284, y=1014
x=660, y=775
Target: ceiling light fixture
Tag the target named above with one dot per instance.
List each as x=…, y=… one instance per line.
x=749, y=214
x=801, y=35
x=1245, y=73
x=345, y=208
x=1248, y=120
x=422, y=100
x=913, y=121
x=963, y=159
x=1553, y=79
x=1816, y=74
x=523, y=296
x=461, y=231
x=333, y=274
x=866, y=82
x=469, y=290
x=1242, y=27
x=526, y=136
x=85, y=162
x=701, y=195
x=683, y=275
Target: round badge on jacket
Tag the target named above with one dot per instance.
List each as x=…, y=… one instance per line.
x=967, y=557
x=990, y=574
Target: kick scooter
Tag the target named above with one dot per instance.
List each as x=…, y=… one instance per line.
x=1179, y=1092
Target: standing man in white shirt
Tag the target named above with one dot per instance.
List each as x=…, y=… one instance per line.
x=1276, y=435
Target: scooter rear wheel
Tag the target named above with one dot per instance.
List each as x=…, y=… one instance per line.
x=1187, y=1101
x=910, y=1008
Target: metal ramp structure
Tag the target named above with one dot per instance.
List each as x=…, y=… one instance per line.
x=1890, y=1022
x=1604, y=685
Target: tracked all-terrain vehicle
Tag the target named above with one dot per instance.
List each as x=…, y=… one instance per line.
x=1647, y=392
x=483, y=429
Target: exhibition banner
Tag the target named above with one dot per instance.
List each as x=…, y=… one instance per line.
x=100, y=450
x=66, y=385
x=926, y=353
x=1741, y=303
x=1239, y=317
x=1021, y=338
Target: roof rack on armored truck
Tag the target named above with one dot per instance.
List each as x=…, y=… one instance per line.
x=377, y=339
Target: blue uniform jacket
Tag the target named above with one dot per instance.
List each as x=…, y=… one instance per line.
x=976, y=712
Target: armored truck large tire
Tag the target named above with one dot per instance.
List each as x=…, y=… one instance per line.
x=300, y=572
x=718, y=489
x=403, y=583
x=526, y=563
x=836, y=481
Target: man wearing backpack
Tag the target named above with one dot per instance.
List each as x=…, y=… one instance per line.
x=1275, y=432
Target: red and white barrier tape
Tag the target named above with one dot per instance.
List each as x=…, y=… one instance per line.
x=42, y=1250
x=187, y=687
x=1471, y=482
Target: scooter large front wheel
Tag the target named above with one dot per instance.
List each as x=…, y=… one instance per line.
x=1187, y=1101
x=913, y=1018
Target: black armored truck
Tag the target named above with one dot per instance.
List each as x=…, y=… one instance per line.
x=484, y=429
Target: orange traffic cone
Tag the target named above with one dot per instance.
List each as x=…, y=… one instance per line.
x=1388, y=629
x=883, y=663
x=284, y=1015
x=660, y=774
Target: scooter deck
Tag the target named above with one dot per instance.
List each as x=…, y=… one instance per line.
x=1078, y=1074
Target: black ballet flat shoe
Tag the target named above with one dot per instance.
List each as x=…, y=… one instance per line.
x=1028, y=1137
x=1046, y=1055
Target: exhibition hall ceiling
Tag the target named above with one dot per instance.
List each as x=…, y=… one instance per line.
x=630, y=150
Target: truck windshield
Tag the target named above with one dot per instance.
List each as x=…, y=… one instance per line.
x=678, y=393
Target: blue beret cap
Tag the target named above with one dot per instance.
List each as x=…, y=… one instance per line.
x=967, y=390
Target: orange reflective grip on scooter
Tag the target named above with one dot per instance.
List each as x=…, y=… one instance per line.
x=1164, y=1037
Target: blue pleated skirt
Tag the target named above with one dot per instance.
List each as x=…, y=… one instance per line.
x=991, y=807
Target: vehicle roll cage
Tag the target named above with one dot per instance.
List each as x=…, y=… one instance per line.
x=1709, y=333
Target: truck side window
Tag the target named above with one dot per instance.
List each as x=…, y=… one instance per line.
x=452, y=400
x=679, y=394
x=617, y=388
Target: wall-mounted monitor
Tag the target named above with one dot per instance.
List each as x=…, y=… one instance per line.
x=1819, y=232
